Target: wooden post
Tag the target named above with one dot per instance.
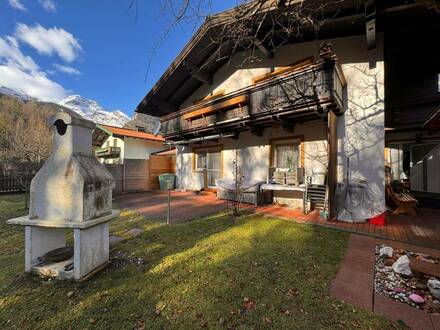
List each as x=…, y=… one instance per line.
x=332, y=161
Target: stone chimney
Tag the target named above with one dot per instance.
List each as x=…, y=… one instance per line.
x=72, y=185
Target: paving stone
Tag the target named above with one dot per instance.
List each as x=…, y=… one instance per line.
x=351, y=294
x=435, y=318
x=361, y=280
x=113, y=240
x=135, y=232
x=394, y=311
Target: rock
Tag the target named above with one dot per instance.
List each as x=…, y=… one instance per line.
x=432, y=307
x=415, y=298
x=401, y=266
x=69, y=294
x=386, y=251
x=388, y=262
x=398, y=290
x=222, y=321
x=92, y=321
x=421, y=286
x=135, y=232
x=434, y=287
x=113, y=240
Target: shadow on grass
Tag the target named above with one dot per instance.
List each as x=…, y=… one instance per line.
x=198, y=274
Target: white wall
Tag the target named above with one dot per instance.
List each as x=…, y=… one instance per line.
x=360, y=130
x=254, y=152
x=140, y=148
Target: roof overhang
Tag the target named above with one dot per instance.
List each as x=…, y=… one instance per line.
x=201, y=57
x=433, y=121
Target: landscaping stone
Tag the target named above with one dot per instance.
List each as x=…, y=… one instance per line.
x=135, y=232
x=410, y=290
x=386, y=251
x=113, y=240
x=415, y=298
x=401, y=266
x=434, y=287
x=389, y=262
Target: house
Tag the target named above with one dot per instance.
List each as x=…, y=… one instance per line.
x=322, y=106
x=123, y=143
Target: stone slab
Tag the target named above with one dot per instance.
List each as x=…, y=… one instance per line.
x=135, y=232
x=25, y=221
x=113, y=240
x=435, y=319
x=394, y=311
x=350, y=293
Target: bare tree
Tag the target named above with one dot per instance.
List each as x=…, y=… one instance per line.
x=252, y=27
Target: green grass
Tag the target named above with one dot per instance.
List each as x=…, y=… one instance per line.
x=215, y=272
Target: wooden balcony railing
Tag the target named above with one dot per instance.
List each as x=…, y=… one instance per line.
x=301, y=95
x=108, y=152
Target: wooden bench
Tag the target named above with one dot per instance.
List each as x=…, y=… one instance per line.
x=405, y=203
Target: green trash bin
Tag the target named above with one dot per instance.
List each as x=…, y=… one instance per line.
x=166, y=181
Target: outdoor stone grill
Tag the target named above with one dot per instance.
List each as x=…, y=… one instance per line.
x=72, y=191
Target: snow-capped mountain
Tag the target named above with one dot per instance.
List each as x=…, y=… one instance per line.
x=90, y=109
x=84, y=107
x=13, y=93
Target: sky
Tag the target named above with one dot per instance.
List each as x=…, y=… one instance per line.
x=99, y=49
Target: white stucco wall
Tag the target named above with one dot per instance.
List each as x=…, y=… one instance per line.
x=360, y=130
x=254, y=152
x=140, y=149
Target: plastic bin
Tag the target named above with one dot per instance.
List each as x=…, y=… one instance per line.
x=166, y=181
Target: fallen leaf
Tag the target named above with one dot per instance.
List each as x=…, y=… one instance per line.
x=267, y=320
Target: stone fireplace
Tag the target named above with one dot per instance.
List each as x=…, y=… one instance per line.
x=72, y=191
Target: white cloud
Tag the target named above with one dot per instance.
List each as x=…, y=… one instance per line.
x=67, y=69
x=49, y=41
x=49, y=5
x=21, y=73
x=17, y=5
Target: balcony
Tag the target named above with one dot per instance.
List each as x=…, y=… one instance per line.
x=301, y=94
x=108, y=152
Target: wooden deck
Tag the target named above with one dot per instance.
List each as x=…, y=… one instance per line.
x=423, y=230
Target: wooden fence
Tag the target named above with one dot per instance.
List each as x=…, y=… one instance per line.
x=140, y=174
x=13, y=183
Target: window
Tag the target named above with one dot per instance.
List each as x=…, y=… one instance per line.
x=201, y=160
x=140, y=129
x=286, y=155
x=115, y=142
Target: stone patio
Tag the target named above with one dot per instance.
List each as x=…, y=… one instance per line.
x=185, y=206
x=354, y=283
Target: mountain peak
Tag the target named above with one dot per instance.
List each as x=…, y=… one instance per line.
x=86, y=108
x=90, y=109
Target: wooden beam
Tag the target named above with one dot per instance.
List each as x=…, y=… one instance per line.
x=332, y=161
x=164, y=106
x=257, y=130
x=197, y=73
x=235, y=101
x=370, y=23
x=288, y=126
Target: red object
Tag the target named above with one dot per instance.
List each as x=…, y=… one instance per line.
x=378, y=220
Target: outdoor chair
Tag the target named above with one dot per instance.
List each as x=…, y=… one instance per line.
x=405, y=203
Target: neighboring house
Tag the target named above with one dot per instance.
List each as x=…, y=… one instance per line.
x=326, y=112
x=126, y=143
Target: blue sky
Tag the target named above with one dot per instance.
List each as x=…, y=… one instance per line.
x=95, y=48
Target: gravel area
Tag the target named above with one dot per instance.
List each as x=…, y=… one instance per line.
x=408, y=289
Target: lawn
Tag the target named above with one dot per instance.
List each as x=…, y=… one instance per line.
x=215, y=272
